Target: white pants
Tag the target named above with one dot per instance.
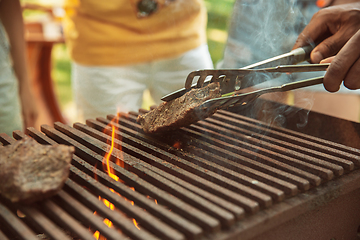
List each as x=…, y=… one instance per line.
x=103, y=90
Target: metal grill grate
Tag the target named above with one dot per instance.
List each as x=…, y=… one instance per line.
x=199, y=182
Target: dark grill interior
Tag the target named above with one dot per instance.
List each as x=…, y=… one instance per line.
x=213, y=180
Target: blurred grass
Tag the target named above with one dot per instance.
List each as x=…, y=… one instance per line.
x=61, y=74
x=219, y=13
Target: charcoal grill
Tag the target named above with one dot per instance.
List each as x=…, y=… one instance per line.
x=231, y=176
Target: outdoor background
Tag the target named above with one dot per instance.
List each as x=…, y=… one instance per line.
x=219, y=12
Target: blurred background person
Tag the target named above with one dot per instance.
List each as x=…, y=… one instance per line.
x=260, y=29
x=119, y=48
x=17, y=106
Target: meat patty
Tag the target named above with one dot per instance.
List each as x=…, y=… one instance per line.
x=180, y=112
x=30, y=171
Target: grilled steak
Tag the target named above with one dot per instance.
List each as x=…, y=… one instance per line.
x=30, y=171
x=179, y=112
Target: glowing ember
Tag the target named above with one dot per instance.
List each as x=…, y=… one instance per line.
x=177, y=145
x=150, y=198
x=135, y=223
x=97, y=235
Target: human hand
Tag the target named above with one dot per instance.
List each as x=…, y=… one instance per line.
x=331, y=28
x=29, y=110
x=338, y=2
x=345, y=66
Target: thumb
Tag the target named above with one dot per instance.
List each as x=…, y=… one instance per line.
x=329, y=47
x=327, y=60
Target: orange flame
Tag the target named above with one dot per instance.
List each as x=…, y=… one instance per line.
x=107, y=157
x=112, y=174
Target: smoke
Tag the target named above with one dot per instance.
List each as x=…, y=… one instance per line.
x=261, y=29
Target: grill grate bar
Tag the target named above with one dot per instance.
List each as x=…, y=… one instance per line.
x=6, y=139
x=14, y=224
x=240, y=130
x=189, y=229
x=294, y=175
x=203, y=219
x=183, y=187
x=82, y=213
x=230, y=152
x=218, y=178
x=86, y=215
x=140, y=185
x=205, y=131
x=212, y=136
x=37, y=219
x=332, y=163
x=311, y=142
x=120, y=221
x=247, y=197
x=195, y=183
x=63, y=219
x=287, y=187
x=42, y=223
x=176, y=190
x=181, y=168
x=145, y=220
x=2, y=236
x=237, y=211
x=126, y=192
x=168, y=166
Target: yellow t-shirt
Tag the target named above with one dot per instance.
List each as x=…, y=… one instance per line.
x=110, y=33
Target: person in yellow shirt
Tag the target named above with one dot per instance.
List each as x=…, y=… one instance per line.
x=119, y=48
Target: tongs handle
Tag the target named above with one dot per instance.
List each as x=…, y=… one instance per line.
x=295, y=68
x=302, y=83
x=245, y=98
x=293, y=57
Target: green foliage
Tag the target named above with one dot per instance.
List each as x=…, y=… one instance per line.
x=61, y=74
x=219, y=12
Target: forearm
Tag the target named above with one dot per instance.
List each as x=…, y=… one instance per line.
x=338, y=2
x=11, y=17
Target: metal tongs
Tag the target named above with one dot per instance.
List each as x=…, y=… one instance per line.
x=233, y=80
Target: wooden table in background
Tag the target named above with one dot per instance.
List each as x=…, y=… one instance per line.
x=39, y=49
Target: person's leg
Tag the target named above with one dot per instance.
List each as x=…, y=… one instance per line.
x=99, y=91
x=170, y=74
x=10, y=108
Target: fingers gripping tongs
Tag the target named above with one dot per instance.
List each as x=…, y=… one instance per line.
x=233, y=80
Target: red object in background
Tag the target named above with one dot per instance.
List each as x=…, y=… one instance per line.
x=323, y=3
